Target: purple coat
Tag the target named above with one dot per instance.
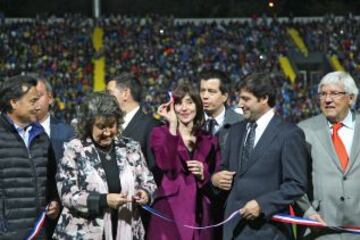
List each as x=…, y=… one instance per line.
x=181, y=196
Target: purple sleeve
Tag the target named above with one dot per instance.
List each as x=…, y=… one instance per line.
x=164, y=146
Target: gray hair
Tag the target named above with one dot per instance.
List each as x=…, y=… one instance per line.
x=94, y=105
x=41, y=78
x=341, y=78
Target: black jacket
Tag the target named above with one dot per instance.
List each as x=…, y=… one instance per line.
x=139, y=129
x=27, y=178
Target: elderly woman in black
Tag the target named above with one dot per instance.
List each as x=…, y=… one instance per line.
x=102, y=177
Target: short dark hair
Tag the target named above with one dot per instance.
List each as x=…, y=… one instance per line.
x=259, y=84
x=179, y=93
x=14, y=88
x=225, y=82
x=129, y=80
x=97, y=104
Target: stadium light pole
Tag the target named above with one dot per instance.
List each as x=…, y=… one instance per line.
x=96, y=8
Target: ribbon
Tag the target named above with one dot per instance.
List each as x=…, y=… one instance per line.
x=39, y=223
x=162, y=216
x=283, y=218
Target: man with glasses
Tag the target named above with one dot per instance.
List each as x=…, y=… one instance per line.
x=334, y=144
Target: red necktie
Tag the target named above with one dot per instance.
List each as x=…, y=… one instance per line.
x=339, y=146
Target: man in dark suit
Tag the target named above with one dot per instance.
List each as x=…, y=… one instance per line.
x=214, y=92
x=137, y=125
x=58, y=132
x=269, y=158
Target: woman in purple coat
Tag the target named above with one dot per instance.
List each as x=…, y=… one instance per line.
x=186, y=156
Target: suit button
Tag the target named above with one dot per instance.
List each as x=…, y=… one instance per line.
x=342, y=198
x=344, y=178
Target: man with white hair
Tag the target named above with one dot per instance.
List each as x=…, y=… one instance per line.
x=334, y=143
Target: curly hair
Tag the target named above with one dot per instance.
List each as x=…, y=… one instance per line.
x=95, y=105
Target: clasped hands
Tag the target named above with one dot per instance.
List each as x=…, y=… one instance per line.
x=115, y=200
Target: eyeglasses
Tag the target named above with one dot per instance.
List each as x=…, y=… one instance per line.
x=332, y=95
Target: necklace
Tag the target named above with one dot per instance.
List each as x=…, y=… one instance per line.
x=106, y=153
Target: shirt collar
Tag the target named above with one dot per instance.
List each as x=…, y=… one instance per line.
x=219, y=119
x=348, y=121
x=17, y=127
x=46, y=125
x=128, y=116
x=264, y=120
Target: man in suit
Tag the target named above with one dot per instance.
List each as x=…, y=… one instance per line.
x=333, y=141
x=137, y=125
x=58, y=132
x=269, y=158
x=214, y=92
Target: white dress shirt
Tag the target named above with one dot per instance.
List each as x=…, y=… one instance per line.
x=46, y=125
x=219, y=120
x=262, y=123
x=129, y=116
x=346, y=132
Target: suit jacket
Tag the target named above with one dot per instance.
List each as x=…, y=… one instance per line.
x=275, y=176
x=60, y=133
x=336, y=194
x=139, y=129
x=231, y=117
x=181, y=196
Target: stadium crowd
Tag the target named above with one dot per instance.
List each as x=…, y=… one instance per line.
x=162, y=52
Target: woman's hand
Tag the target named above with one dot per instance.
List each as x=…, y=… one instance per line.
x=115, y=200
x=197, y=168
x=167, y=111
x=141, y=197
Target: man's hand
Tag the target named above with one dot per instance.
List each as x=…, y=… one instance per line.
x=53, y=210
x=223, y=179
x=251, y=210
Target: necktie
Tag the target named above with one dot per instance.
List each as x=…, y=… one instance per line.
x=339, y=146
x=210, y=125
x=249, y=143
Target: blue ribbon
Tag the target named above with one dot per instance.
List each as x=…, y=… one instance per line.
x=162, y=216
